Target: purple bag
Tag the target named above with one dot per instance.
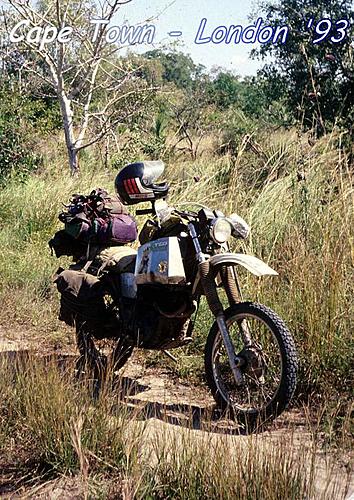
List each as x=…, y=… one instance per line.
x=119, y=230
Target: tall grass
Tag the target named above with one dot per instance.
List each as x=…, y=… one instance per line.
x=28, y=219
x=298, y=200
x=54, y=425
x=45, y=412
x=300, y=205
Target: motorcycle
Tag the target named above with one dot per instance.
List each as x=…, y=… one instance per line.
x=250, y=356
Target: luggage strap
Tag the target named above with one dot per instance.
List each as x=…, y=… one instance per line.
x=92, y=251
x=91, y=254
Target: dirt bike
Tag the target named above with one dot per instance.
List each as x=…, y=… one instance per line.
x=250, y=356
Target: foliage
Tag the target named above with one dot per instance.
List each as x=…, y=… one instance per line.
x=235, y=129
x=16, y=152
x=317, y=79
x=177, y=68
x=225, y=89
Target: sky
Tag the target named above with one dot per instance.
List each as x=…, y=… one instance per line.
x=185, y=16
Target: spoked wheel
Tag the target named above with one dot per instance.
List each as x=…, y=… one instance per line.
x=269, y=365
x=100, y=359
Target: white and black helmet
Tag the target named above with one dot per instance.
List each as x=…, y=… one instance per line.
x=135, y=183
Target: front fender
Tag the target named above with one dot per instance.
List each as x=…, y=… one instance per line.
x=251, y=263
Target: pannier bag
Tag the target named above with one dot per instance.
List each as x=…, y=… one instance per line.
x=116, y=259
x=81, y=298
x=64, y=244
x=77, y=226
x=98, y=219
x=118, y=230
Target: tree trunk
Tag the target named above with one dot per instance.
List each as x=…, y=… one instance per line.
x=73, y=161
x=67, y=116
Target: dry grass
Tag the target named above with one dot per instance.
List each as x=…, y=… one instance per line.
x=52, y=422
x=299, y=202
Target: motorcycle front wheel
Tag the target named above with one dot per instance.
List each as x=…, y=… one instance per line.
x=269, y=365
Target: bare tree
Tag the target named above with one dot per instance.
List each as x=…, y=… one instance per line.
x=191, y=114
x=72, y=54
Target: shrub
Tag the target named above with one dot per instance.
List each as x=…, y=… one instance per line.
x=16, y=146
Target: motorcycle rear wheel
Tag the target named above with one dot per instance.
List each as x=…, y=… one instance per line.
x=269, y=371
x=100, y=359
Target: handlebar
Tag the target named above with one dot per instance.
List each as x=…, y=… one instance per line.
x=145, y=211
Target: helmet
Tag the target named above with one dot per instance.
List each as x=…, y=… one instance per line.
x=136, y=182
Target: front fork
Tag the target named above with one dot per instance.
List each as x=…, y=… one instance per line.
x=215, y=305
x=235, y=361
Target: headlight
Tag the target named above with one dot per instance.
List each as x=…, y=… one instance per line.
x=220, y=230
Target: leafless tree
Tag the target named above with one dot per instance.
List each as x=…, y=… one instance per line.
x=96, y=89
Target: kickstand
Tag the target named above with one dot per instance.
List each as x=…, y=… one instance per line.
x=169, y=355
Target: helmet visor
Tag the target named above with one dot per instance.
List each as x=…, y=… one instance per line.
x=152, y=171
